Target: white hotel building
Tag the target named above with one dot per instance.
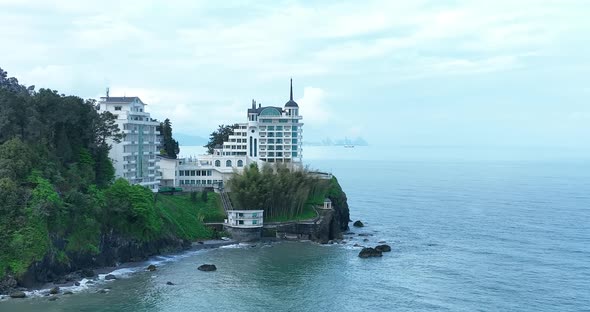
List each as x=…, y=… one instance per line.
x=134, y=158
x=271, y=135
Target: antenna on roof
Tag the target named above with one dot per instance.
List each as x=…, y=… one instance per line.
x=107, y=92
x=291, y=98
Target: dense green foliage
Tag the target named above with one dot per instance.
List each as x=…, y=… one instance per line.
x=282, y=193
x=218, y=136
x=169, y=145
x=57, y=183
x=184, y=216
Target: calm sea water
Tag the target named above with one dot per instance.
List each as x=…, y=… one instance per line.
x=466, y=236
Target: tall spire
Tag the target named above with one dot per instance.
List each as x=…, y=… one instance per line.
x=291, y=98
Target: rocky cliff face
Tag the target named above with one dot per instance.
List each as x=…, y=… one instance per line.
x=325, y=228
x=114, y=249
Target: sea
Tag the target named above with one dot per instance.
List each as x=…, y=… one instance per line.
x=479, y=232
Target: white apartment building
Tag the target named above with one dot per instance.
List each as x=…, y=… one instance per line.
x=271, y=135
x=134, y=158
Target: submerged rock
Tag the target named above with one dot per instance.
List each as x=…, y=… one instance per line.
x=151, y=268
x=53, y=298
x=383, y=248
x=382, y=242
x=207, y=267
x=110, y=277
x=68, y=293
x=102, y=291
x=170, y=283
x=369, y=252
x=54, y=291
x=18, y=294
x=77, y=283
x=358, y=223
x=365, y=240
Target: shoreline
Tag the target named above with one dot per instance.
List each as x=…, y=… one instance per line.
x=122, y=270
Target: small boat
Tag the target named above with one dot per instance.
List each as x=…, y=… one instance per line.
x=348, y=146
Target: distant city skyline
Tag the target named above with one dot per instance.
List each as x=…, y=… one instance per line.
x=395, y=73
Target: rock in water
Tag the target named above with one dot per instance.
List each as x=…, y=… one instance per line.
x=54, y=291
x=370, y=252
x=170, y=283
x=110, y=277
x=18, y=294
x=87, y=273
x=358, y=223
x=77, y=283
x=151, y=268
x=207, y=267
x=68, y=293
x=53, y=298
x=383, y=248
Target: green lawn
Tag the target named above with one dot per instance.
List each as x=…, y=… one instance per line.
x=185, y=218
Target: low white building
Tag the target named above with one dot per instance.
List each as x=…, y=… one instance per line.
x=167, y=169
x=244, y=218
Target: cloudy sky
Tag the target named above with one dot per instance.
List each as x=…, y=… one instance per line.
x=398, y=73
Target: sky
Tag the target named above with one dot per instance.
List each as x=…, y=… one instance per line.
x=469, y=74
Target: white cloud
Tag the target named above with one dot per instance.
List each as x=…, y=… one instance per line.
x=313, y=107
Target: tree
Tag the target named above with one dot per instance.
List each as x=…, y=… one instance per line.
x=169, y=145
x=106, y=127
x=219, y=136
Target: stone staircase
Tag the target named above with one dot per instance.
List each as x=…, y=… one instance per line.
x=225, y=202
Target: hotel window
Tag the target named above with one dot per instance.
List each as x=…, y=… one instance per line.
x=241, y=222
x=254, y=221
x=240, y=163
x=217, y=163
x=254, y=215
x=228, y=163
x=270, y=127
x=294, y=154
x=283, y=120
x=117, y=108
